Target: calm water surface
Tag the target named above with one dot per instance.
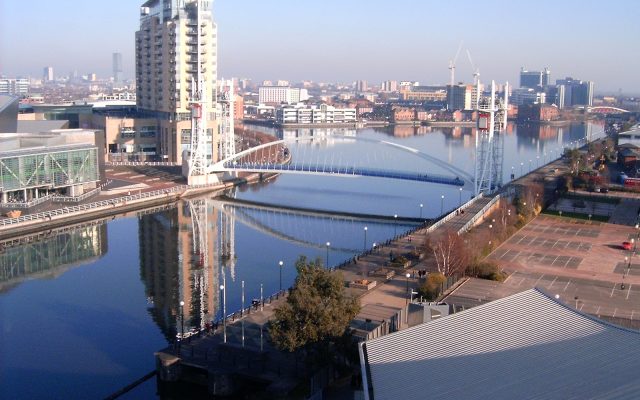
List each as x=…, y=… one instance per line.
x=82, y=312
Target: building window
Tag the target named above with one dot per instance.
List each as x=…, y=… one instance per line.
x=127, y=132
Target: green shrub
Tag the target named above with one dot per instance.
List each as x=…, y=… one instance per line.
x=486, y=270
x=430, y=290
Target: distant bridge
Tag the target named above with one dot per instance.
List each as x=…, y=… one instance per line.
x=606, y=110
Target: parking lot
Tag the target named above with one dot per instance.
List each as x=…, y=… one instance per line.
x=581, y=261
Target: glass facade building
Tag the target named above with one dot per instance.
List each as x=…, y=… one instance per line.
x=48, y=168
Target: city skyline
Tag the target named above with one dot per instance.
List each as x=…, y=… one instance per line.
x=339, y=42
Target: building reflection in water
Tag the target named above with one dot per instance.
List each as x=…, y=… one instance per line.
x=50, y=254
x=181, y=250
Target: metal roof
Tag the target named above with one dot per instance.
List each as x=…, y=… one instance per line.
x=524, y=346
x=6, y=100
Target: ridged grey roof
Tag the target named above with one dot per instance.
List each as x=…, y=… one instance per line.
x=526, y=346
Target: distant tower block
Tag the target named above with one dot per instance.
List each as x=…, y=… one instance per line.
x=117, y=67
x=47, y=74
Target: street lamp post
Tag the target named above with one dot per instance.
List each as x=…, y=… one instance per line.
x=242, y=300
x=181, y=320
x=280, y=263
x=460, y=197
x=395, y=225
x=530, y=165
x=408, y=275
x=441, y=204
x=242, y=313
x=328, y=244
x=224, y=313
x=364, y=247
x=421, y=205
x=521, y=168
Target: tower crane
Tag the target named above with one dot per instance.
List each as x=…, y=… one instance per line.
x=452, y=65
x=476, y=70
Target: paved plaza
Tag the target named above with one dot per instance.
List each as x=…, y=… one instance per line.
x=581, y=261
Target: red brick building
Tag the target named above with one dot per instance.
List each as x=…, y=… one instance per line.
x=538, y=112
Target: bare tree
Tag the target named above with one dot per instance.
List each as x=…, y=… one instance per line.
x=450, y=253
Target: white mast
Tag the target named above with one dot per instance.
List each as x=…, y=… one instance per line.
x=199, y=112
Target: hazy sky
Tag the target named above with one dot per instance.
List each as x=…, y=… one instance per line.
x=346, y=40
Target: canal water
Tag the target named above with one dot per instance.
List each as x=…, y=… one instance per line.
x=83, y=310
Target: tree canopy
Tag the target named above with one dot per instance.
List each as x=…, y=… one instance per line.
x=316, y=310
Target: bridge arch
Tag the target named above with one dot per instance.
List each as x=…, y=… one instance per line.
x=462, y=178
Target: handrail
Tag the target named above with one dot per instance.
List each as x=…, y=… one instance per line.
x=452, y=214
x=480, y=213
x=102, y=203
x=76, y=199
x=141, y=163
x=29, y=204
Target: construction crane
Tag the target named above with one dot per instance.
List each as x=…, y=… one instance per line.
x=452, y=65
x=476, y=70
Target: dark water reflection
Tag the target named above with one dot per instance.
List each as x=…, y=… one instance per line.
x=83, y=309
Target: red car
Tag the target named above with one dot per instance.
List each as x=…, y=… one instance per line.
x=626, y=245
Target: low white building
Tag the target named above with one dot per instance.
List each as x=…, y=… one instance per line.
x=281, y=94
x=16, y=87
x=323, y=114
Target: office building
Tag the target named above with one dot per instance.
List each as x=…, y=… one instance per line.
x=534, y=79
x=16, y=87
x=47, y=74
x=173, y=38
x=281, y=94
x=459, y=97
x=576, y=92
x=526, y=95
x=424, y=93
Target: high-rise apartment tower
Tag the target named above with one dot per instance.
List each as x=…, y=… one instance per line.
x=174, y=36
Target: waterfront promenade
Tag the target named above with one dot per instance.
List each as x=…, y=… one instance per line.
x=245, y=348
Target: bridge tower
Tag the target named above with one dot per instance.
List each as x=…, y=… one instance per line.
x=227, y=134
x=197, y=162
x=492, y=119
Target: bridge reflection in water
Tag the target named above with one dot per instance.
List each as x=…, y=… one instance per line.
x=188, y=252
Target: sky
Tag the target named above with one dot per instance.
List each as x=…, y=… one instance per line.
x=347, y=40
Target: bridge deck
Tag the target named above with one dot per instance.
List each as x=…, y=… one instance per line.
x=349, y=171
